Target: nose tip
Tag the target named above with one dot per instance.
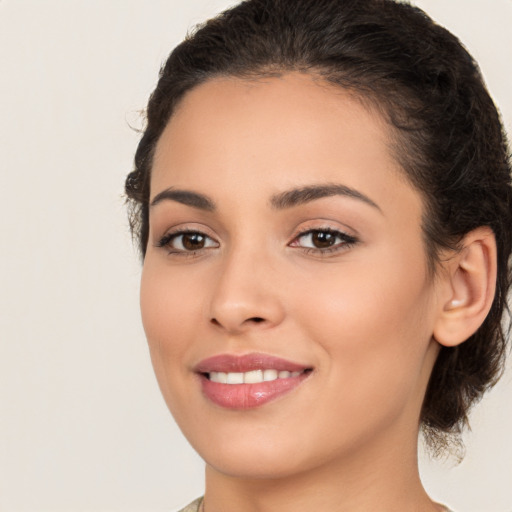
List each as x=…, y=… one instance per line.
x=234, y=325
x=243, y=300
x=236, y=318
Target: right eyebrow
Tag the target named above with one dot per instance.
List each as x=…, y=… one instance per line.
x=185, y=197
x=302, y=195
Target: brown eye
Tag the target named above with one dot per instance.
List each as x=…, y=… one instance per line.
x=193, y=241
x=188, y=241
x=323, y=239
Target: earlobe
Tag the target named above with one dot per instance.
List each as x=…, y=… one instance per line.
x=468, y=287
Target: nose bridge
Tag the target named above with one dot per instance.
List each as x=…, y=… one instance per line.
x=246, y=293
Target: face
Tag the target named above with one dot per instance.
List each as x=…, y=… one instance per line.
x=285, y=293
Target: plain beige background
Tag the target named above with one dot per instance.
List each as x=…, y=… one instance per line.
x=82, y=423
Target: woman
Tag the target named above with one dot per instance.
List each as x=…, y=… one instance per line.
x=323, y=203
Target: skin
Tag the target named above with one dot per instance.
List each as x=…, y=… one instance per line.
x=362, y=316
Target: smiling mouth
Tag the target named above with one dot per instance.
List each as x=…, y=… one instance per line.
x=253, y=376
x=248, y=381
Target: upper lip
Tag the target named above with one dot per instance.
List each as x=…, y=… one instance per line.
x=246, y=363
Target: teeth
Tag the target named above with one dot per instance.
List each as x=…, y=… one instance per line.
x=219, y=377
x=235, y=378
x=252, y=377
x=269, y=375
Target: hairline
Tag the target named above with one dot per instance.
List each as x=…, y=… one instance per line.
x=368, y=99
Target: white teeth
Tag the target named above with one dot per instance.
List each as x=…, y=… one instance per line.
x=235, y=378
x=252, y=377
x=269, y=375
x=219, y=377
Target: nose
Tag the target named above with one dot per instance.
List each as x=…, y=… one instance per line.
x=246, y=294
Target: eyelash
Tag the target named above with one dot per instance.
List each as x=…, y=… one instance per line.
x=166, y=241
x=346, y=242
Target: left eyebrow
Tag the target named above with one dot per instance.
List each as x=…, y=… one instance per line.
x=302, y=195
x=185, y=197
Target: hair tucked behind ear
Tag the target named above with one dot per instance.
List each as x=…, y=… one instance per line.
x=448, y=138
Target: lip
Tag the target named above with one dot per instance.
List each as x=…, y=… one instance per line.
x=248, y=396
x=247, y=363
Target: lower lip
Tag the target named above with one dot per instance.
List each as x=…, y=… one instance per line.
x=248, y=396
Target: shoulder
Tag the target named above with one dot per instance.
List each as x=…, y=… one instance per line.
x=193, y=507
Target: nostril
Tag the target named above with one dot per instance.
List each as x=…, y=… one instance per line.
x=236, y=324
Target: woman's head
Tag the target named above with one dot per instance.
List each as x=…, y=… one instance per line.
x=444, y=133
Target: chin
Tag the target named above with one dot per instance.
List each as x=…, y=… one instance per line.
x=255, y=463
x=249, y=451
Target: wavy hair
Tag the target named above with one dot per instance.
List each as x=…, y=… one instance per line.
x=448, y=139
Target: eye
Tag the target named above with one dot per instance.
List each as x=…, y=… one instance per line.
x=323, y=240
x=187, y=241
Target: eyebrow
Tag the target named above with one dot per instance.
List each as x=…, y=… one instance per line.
x=185, y=197
x=310, y=193
x=281, y=201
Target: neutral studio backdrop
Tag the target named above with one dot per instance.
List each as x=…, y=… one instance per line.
x=82, y=423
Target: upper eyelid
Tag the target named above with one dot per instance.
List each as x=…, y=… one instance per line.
x=338, y=232
x=179, y=232
x=300, y=232
x=346, y=243
x=305, y=231
x=165, y=241
x=186, y=228
x=312, y=229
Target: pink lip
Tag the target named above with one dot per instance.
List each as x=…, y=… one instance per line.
x=246, y=363
x=247, y=396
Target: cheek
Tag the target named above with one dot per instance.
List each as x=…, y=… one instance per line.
x=166, y=307
x=167, y=299
x=373, y=321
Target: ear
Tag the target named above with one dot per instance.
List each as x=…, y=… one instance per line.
x=468, y=284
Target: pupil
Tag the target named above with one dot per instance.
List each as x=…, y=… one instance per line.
x=193, y=241
x=321, y=239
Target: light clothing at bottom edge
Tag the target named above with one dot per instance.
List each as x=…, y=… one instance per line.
x=194, y=506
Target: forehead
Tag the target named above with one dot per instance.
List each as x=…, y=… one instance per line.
x=296, y=106
x=281, y=131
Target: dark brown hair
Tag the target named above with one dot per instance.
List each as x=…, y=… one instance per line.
x=448, y=138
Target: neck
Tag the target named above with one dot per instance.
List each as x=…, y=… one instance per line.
x=380, y=474
x=373, y=478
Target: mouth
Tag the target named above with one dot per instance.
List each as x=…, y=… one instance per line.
x=249, y=381
x=252, y=377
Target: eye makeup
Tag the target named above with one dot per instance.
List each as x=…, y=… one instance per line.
x=323, y=240
x=319, y=241
x=186, y=242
